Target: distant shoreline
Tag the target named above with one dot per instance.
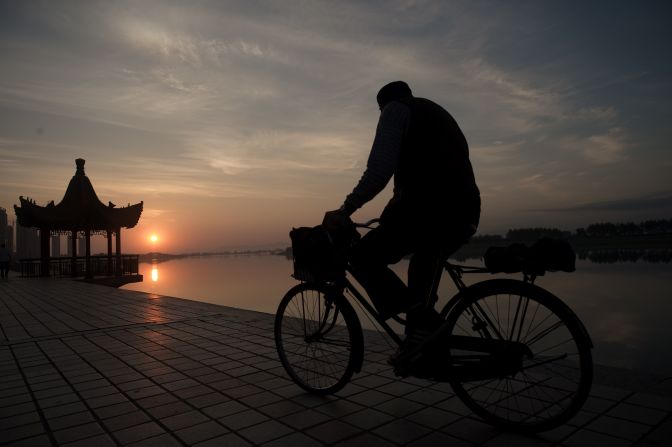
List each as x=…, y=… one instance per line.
x=649, y=248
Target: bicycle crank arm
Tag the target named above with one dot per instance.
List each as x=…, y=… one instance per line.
x=488, y=345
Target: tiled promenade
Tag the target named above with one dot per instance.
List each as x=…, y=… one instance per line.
x=85, y=365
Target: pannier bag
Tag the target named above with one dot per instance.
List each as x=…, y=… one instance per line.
x=320, y=255
x=546, y=254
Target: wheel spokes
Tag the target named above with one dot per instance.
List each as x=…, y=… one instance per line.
x=315, y=340
x=544, y=384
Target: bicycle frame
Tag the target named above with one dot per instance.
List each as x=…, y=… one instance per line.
x=347, y=284
x=454, y=270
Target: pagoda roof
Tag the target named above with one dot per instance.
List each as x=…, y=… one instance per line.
x=80, y=209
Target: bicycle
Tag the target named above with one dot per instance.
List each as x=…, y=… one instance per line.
x=513, y=352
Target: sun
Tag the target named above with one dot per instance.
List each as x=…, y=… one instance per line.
x=154, y=238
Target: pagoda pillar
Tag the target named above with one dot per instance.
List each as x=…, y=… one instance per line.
x=73, y=245
x=87, y=234
x=109, y=252
x=44, y=251
x=118, y=253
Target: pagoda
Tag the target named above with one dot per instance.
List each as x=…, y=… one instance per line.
x=80, y=212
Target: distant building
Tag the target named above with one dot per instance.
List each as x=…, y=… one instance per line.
x=9, y=231
x=69, y=246
x=56, y=246
x=4, y=239
x=27, y=243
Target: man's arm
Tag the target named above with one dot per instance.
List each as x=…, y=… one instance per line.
x=384, y=156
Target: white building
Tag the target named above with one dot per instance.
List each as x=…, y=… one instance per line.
x=27, y=242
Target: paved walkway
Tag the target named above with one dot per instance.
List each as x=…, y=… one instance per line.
x=85, y=365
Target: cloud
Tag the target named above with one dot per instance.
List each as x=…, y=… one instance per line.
x=496, y=152
x=171, y=45
x=153, y=213
x=171, y=80
x=595, y=114
x=608, y=147
x=279, y=150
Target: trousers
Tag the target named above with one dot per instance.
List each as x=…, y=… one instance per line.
x=4, y=269
x=372, y=255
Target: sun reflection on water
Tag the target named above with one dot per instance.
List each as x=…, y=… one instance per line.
x=155, y=273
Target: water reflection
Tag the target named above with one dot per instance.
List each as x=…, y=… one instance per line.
x=612, y=256
x=244, y=281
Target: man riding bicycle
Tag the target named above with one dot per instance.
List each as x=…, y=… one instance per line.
x=435, y=207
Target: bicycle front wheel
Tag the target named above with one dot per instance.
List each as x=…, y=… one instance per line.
x=547, y=375
x=318, y=337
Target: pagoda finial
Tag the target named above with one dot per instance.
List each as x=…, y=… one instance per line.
x=80, y=166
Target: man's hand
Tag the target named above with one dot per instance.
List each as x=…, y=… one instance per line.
x=336, y=220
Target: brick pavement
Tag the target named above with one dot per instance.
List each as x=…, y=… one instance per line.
x=86, y=365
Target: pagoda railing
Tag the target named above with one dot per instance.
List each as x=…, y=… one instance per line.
x=62, y=266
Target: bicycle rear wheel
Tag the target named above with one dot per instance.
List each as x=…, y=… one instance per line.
x=550, y=379
x=318, y=338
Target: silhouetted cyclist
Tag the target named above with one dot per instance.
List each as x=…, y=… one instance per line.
x=435, y=207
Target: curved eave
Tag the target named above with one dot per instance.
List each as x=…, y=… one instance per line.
x=29, y=214
x=127, y=216
x=99, y=217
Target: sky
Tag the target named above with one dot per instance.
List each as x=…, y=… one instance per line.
x=235, y=121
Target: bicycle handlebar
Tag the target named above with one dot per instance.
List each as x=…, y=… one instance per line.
x=367, y=224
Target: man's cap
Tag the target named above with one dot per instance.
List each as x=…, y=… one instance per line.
x=393, y=91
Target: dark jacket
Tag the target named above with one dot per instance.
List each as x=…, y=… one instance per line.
x=434, y=180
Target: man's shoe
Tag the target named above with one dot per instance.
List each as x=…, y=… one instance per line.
x=414, y=338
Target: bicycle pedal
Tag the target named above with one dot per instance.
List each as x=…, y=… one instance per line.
x=402, y=374
x=401, y=371
x=402, y=359
x=414, y=369
x=404, y=363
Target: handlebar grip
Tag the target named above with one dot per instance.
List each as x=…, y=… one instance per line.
x=367, y=224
